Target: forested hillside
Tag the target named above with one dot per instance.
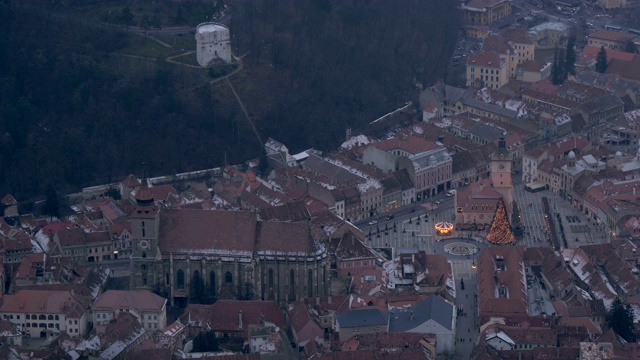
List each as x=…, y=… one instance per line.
x=75, y=112
x=337, y=64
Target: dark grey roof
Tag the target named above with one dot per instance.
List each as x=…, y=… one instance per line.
x=485, y=131
x=607, y=82
x=461, y=161
x=441, y=92
x=432, y=308
x=367, y=317
x=492, y=108
x=390, y=184
x=601, y=103
x=334, y=172
x=404, y=179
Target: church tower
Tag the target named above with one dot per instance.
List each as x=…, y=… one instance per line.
x=501, y=173
x=144, y=224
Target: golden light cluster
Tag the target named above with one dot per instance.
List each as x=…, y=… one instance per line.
x=444, y=228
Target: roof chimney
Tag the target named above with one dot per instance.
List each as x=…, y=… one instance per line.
x=240, y=319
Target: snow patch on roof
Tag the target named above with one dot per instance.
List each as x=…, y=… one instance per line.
x=356, y=141
x=42, y=242
x=369, y=183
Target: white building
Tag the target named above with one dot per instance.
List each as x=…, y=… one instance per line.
x=213, y=43
x=39, y=313
x=149, y=308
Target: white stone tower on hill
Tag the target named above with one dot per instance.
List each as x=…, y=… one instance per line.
x=213, y=43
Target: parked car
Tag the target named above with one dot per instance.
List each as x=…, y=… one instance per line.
x=373, y=222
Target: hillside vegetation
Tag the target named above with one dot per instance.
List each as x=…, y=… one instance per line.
x=75, y=111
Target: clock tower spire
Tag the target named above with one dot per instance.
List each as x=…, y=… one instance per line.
x=501, y=172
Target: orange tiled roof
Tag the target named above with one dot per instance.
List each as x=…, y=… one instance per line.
x=609, y=35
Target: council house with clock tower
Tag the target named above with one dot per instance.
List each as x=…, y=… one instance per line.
x=501, y=173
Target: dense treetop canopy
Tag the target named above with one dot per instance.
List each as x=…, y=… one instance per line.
x=77, y=110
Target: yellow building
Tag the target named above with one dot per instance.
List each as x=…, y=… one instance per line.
x=609, y=39
x=521, y=42
x=486, y=69
x=482, y=12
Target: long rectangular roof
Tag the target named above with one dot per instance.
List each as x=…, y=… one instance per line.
x=204, y=231
x=229, y=232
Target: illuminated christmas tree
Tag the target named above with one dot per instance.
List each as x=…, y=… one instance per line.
x=500, y=232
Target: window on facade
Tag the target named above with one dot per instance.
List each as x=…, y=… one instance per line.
x=180, y=279
x=212, y=282
x=292, y=283
x=228, y=278
x=270, y=283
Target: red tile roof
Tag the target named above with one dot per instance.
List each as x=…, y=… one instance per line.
x=45, y=302
x=131, y=181
x=200, y=230
x=497, y=44
x=485, y=58
x=9, y=200
x=517, y=35
x=629, y=70
x=609, y=35
x=139, y=300
x=283, y=237
x=30, y=263
x=224, y=315
x=302, y=323
x=491, y=281
x=53, y=228
x=590, y=53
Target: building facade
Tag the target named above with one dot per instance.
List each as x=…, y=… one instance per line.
x=150, y=309
x=487, y=69
x=225, y=254
x=482, y=12
x=40, y=313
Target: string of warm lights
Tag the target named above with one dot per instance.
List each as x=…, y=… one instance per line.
x=444, y=228
x=500, y=232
